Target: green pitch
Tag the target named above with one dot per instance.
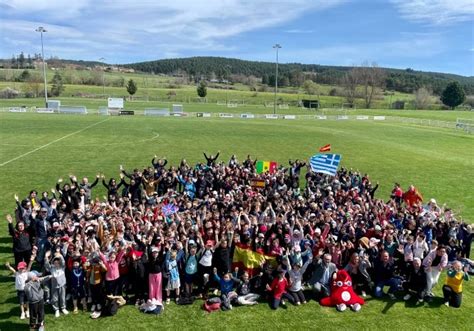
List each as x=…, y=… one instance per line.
x=35, y=150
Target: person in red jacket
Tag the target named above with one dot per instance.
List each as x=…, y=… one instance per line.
x=412, y=197
x=278, y=290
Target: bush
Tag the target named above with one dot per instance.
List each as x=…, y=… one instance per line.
x=9, y=93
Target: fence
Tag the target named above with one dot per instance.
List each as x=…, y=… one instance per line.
x=465, y=125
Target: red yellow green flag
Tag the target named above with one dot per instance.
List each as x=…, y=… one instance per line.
x=266, y=166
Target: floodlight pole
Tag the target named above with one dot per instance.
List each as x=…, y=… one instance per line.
x=277, y=47
x=41, y=30
x=103, y=76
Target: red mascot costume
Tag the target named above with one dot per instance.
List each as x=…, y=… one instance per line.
x=342, y=293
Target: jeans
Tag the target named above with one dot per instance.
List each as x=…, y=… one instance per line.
x=393, y=282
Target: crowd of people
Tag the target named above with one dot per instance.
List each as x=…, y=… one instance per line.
x=169, y=233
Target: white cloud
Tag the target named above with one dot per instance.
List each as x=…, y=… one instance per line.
x=436, y=12
x=155, y=27
x=297, y=31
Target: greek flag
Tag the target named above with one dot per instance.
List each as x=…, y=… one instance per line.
x=325, y=163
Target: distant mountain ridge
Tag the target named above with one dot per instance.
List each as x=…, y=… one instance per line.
x=407, y=80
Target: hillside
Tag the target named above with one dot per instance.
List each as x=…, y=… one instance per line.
x=293, y=74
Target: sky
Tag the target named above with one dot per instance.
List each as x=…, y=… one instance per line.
x=428, y=35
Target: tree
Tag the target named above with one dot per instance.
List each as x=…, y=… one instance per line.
x=310, y=87
x=58, y=86
x=371, y=77
x=453, y=95
x=21, y=60
x=24, y=76
x=202, y=89
x=131, y=87
x=422, y=98
x=350, y=82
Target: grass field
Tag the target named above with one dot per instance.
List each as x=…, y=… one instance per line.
x=35, y=150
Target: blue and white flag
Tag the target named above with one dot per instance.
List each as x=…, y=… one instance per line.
x=325, y=163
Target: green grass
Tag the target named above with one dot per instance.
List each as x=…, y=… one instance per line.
x=438, y=161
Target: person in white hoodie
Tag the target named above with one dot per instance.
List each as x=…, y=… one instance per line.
x=58, y=282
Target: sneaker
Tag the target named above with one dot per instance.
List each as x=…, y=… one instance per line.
x=93, y=308
x=56, y=313
x=27, y=314
x=168, y=301
x=64, y=311
x=364, y=294
x=22, y=316
x=420, y=301
x=392, y=296
x=75, y=311
x=446, y=303
x=230, y=307
x=283, y=302
x=407, y=297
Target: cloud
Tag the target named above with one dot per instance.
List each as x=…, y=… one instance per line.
x=436, y=12
x=299, y=31
x=154, y=27
x=410, y=46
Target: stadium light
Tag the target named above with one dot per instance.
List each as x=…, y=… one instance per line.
x=103, y=76
x=41, y=30
x=277, y=47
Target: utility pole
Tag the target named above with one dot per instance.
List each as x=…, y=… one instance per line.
x=277, y=47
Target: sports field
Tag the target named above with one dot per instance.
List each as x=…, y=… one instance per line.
x=35, y=150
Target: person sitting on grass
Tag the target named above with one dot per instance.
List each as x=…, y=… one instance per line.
x=278, y=290
x=244, y=291
x=21, y=276
x=385, y=276
x=452, y=290
x=415, y=281
x=226, y=284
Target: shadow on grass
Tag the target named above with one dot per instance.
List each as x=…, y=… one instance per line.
x=8, y=325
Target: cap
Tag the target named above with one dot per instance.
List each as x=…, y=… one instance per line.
x=55, y=224
x=154, y=249
x=374, y=240
x=21, y=265
x=192, y=242
x=261, y=235
x=44, y=209
x=263, y=228
x=317, y=230
x=378, y=228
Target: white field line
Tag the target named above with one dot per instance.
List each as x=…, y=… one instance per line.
x=52, y=142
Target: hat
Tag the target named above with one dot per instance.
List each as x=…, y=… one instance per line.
x=296, y=232
x=364, y=241
x=44, y=209
x=192, y=242
x=378, y=228
x=21, y=265
x=263, y=228
x=154, y=249
x=317, y=230
x=307, y=242
x=374, y=240
x=312, y=215
x=433, y=201
x=55, y=224
x=261, y=235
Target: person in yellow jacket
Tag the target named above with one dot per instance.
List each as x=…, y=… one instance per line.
x=452, y=290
